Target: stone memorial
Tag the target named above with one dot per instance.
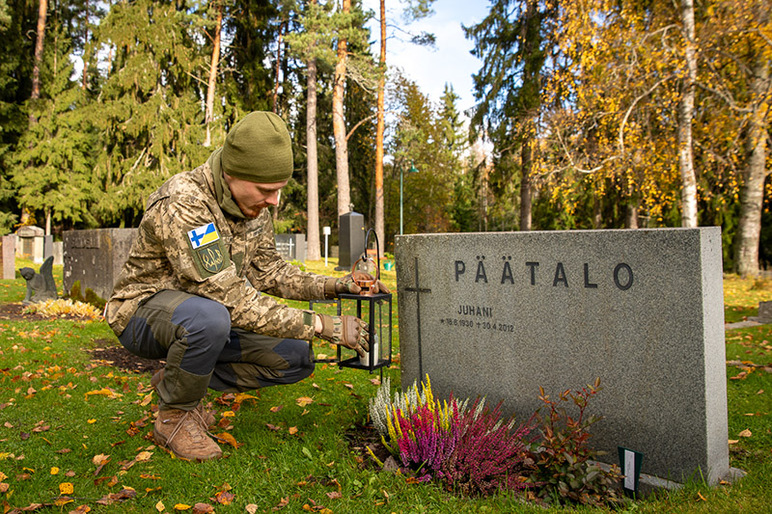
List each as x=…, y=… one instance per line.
x=29, y=242
x=501, y=314
x=351, y=238
x=291, y=247
x=41, y=285
x=9, y=257
x=95, y=258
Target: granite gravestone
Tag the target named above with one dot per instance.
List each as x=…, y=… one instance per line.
x=95, y=258
x=351, y=238
x=291, y=247
x=500, y=314
x=9, y=257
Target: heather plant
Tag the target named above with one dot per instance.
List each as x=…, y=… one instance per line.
x=565, y=470
x=471, y=449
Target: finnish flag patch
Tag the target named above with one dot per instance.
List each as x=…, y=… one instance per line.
x=203, y=235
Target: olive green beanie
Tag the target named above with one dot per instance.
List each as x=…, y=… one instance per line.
x=258, y=148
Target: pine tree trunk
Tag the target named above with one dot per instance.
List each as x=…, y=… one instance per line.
x=526, y=154
x=380, y=230
x=211, y=87
x=685, y=117
x=275, y=102
x=313, y=250
x=752, y=190
x=41, y=35
x=339, y=123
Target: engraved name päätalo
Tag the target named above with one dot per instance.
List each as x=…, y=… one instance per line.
x=558, y=274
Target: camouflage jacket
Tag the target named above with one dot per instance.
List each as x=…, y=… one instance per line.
x=187, y=243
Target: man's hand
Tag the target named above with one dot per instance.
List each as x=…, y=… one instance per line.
x=348, y=331
x=347, y=284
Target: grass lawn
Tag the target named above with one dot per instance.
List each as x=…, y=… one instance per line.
x=78, y=428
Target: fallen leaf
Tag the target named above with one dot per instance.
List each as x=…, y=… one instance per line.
x=228, y=414
x=304, y=400
x=251, y=508
x=202, y=508
x=701, y=496
x=350, y=386
x=224, y=497
x=228, y=438
x=734, y=441
x=82, y=509
x=181, y=506
x=375, y=381
x=66, y=488
x=100, y=459
x=277, y=408
x=334, y=495
x=745, y=433
x=160, y=507
x=282, y=503
x=293, y=430
x=54, y=471
x=272, y=427
x=91, y=421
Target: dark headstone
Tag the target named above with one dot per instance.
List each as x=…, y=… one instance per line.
x=40, y=286
x=95, y=258
x=351, y=238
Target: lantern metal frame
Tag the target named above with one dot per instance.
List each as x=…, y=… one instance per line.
x=373, y=302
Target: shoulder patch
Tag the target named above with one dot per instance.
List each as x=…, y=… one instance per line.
x=209, y=252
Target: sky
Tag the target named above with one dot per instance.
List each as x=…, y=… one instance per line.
x=450, y=60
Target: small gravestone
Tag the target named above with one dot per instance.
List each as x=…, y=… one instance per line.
x=291, y=247
x=94, y=258
x=765, y=312
x=351, y=238
x=40, y=286
x=8, y=256
x=26, y=238
x=501, y=314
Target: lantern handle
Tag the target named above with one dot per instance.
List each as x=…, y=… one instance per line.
x=377, y=252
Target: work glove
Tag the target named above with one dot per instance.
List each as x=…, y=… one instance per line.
x=347, y=284
x=348, y=331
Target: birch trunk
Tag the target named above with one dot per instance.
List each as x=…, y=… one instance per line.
x=752, y=190
x=685, y=117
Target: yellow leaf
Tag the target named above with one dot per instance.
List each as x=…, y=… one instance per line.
x=91, y=421
x=143, y=456
x=276, y=408
x=160, y=506
x=304, y=400
x=734, y=441
x=181, y=506
x=54, y=471
x=293, y=430
x=146, y=400
x=745, y=433
x=228, y=414
x=228, y=438
x=240, y=397
x=701, y=496
x=66, y=488
x=3, y=476
x=100, y=459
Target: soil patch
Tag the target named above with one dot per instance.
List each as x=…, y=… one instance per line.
x=120, y=357
x=361, y=437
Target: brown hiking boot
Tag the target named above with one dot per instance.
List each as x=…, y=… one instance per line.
x=181, y=432
x=202, y=413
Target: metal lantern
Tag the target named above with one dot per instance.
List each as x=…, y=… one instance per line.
x=375, y=309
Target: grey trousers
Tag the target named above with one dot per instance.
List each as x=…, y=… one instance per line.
x=202, y=350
